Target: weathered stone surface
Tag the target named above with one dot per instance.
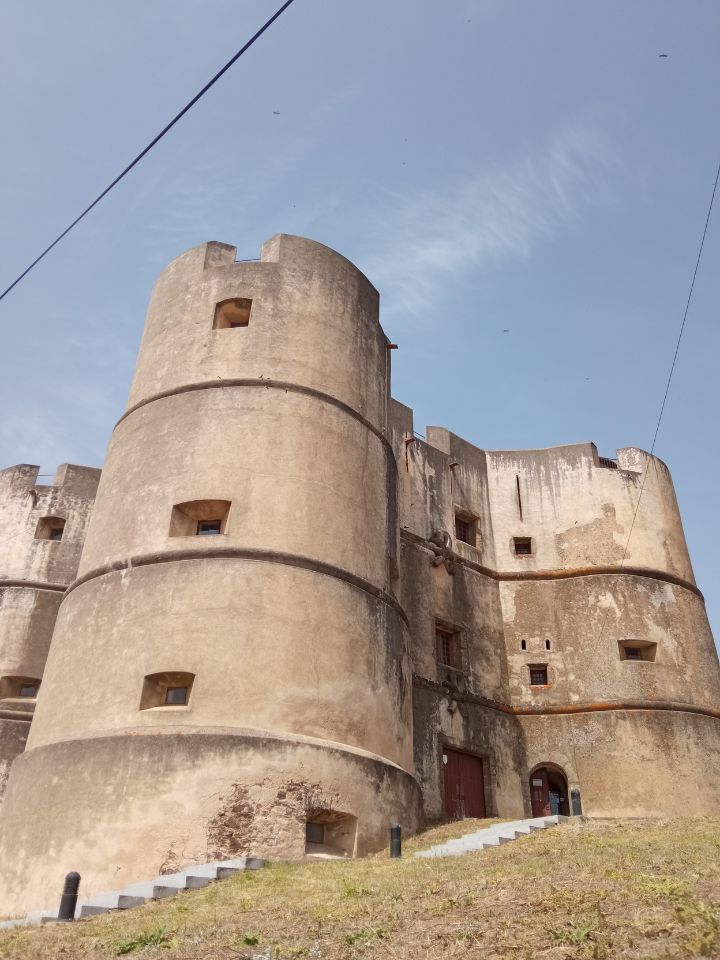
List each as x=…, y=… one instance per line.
x=304, y=631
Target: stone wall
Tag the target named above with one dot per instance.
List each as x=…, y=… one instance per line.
x=43, y=529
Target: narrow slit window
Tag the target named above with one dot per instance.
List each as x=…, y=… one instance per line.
x=539, y=675
x=547, y=644
x=232, y=313
x=522, y=546
x=519, y=496
x=523, y=644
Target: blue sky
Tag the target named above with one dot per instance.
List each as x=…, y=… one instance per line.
x=490, y=165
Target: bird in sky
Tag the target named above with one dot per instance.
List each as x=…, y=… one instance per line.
x=663, y=55
x=276, y=112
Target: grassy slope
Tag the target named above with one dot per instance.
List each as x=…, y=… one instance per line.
x=645, y=889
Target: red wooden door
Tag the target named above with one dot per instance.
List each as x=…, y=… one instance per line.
x=540, y=793
x=464, y=785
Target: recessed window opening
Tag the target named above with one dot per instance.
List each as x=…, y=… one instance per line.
x=638, y=650
x=50, y=528
x=522, y=546
x=232, y=313
x=25, y=687
x=523, y=644
x=200, y=518
x=330, y=832
x=466, y=528
x=168, y=689
x=539, y=675
x=446, y=647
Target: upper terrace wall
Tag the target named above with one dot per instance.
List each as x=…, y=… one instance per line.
x=35, y=570
x=24, y=502
x=579, y=513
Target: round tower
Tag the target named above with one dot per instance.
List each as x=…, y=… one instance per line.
x=229, y=673
x=613, y=670
x=43, y=527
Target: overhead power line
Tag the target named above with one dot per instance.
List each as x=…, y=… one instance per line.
x=669, y=379
x=675, y=355
x=166, y=129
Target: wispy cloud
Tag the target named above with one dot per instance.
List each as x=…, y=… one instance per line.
x=491, y=217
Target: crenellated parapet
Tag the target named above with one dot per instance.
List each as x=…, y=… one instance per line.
x=294, y=621
x=43, y=528
x=234, y=626
x=565, y=590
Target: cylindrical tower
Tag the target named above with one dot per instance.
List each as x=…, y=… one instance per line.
x=229, y=674
x=43, y=528
x=613, y=669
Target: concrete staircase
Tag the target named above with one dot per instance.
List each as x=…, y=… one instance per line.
x=134, y=895
x=491, y=836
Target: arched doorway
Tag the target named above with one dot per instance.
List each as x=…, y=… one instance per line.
x=549, y=791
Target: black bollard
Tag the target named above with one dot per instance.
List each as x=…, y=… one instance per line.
x=395, y=841
x=576, y=802
x=68, y=901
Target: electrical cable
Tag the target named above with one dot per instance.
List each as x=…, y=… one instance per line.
x=669, y=381
x=153, y=142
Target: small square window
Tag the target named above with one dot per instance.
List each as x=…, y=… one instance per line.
x=314, y=832
x=466, y=528
x=232, y=313
x=13, y=687
x=199, y=518
x=166, y=690
x=50, y=528
x=209, y=528
x=522, y=546
x=176, y=696
x=446, y=647
x=539, y=676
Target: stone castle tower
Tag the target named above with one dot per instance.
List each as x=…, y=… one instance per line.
x=295, y=622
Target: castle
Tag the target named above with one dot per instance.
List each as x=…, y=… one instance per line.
x=282, y=621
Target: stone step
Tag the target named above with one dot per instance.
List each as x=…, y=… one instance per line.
x=164, y=885
x=491, y=836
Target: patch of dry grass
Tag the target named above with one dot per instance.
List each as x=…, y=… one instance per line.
x=644, y=890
